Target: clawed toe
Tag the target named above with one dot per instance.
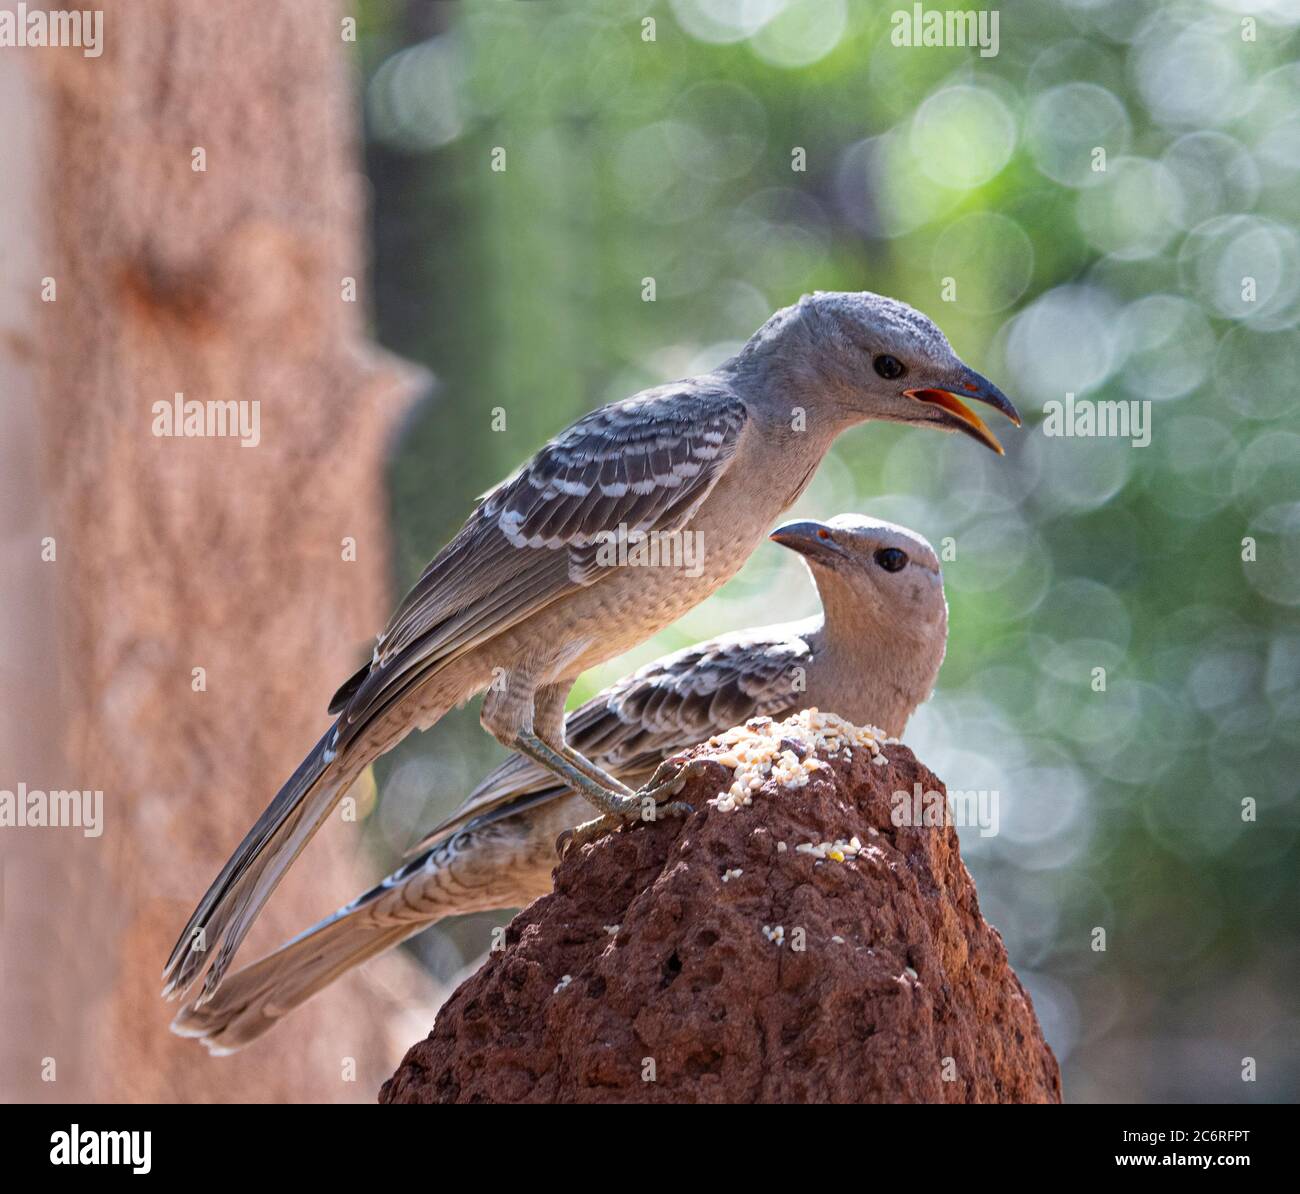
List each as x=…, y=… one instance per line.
x=588, y=831
x=642, y=807
x=671, y=778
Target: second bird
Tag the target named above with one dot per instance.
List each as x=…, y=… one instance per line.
x=872, y=656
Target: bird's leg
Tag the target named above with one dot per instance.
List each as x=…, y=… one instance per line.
x=616, y=808
x=548, y=725
x=522, y=718
x=607, y=800
x=599, y=774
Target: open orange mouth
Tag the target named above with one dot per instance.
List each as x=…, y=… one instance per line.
x=968, y=420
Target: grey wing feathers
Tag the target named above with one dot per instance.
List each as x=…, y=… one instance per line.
x=665, y=707
x=639, y=465
x=689, y=696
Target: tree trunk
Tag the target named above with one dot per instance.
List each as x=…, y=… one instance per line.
x=176, y=553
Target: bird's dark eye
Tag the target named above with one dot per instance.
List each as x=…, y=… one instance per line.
x=891, y=559
x=889, y=367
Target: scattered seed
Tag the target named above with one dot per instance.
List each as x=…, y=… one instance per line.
x=760, y=752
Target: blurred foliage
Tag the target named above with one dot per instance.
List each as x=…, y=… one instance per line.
x=672, y=159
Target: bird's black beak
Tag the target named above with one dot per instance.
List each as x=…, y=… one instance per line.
x=961, y=416
x=808, y=537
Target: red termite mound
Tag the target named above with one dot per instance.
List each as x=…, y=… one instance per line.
x=711, y=960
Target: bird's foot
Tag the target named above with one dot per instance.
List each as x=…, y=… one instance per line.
x=670, y=777
x=642, y=805
x=598, y=827
x=588, y=831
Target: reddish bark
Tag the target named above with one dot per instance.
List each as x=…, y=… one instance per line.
x=175, y=554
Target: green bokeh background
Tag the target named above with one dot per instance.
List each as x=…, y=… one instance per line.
x=671, y=159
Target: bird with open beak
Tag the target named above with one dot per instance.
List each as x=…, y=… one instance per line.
x=871, y=656
x=524, y=598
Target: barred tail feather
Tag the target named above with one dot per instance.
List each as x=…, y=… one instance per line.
x=238, y=893
x=253, y=1000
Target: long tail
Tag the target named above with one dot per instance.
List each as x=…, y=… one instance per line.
x=502, y=866
x=253, y=1000
x=232, y=903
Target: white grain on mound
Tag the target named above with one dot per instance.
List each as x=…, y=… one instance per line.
x=839, y=850
x=763, y=750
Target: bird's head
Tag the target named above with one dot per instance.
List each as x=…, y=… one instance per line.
x=877, y=358
x=867, y=568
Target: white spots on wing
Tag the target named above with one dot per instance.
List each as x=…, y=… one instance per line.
x=658, y=447
x=512, y=522
x=509, y=524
